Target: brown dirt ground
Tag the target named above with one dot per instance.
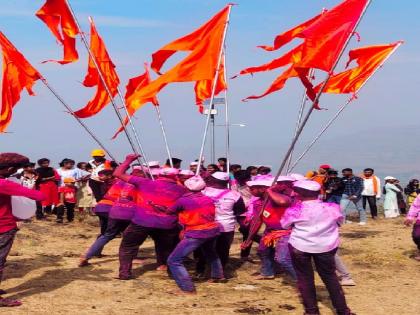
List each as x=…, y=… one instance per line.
x=42, y=272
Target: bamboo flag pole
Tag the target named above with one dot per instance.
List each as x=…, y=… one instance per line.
x=68, y=108
x=165, y=138
x=101, y=77
x=227, y=116
x=308, y=115
x=300, y=116
x=337, y=114
x=213, y=92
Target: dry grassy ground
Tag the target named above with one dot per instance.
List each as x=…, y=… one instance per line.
x=42, y=272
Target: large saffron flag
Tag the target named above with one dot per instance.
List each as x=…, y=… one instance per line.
x=107, y=68
x=57, y=16
x=17, y=74
x=368, y=59
x=133, y=85
x=324, y=38
x=201, y=64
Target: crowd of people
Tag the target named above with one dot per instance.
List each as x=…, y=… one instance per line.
x=186, y=214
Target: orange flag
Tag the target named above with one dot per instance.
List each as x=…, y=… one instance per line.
x=57, y=16
x=369, y=59
x=324, y=37
x=18, y=74
x=133, y=85
x=291, y=34
x=107, y=68
x=200, y=65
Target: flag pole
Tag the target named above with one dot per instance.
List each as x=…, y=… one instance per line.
x=308, y=115
x=299, y=119
x=318, y=96
x=68, y=108
x=227, y=117
x=337, y=114
x=213, y=92
x=101, y=77
x=136, y=136
x=165, y=138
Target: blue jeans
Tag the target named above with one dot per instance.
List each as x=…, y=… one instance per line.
x=345, y=202
x=114, y=228
x=334, y=199
x=280, y=254
x=186, y=247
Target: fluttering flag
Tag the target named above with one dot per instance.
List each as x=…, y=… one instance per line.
x=17, y=74
x=369, y=59
x=201, y=64
x=107, y=68
x=57, y=16
x=133, y=85
x=324, y=38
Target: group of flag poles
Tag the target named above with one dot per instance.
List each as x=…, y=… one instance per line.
x=213, y=81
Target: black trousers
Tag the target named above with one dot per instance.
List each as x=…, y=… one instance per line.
x=223, y=243
x=70, y=211
x=97, y=189
x=244, y=230
x=6, y=242
x=135, y=235
x=325, y=266
x=372, y=205
x=103, y=221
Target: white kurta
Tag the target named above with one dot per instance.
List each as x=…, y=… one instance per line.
x=391, y=202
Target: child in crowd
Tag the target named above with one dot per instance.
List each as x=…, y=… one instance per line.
x=67, y=197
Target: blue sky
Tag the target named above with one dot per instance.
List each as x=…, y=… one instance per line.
x=134, y=29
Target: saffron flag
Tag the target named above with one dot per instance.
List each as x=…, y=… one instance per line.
x=133, y=85
x=201, y=64
x=17, y=74
x=369, y=59
x=107, y=68
x=57, y=16
x=324, y=38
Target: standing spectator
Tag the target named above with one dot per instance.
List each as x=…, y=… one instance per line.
x=412, y=191
x=400, y=197
x=212, y=168
x=222, y=164
x=67, y=170
x=252, y=170
x=47, y=184
x=353, y=187
x=264, y=170
x=315, y=237
x=175, y=162
x=68, y=200
x=99, y=163
x=371, y=191
x=334, y=187
x=413, y=216
x=321, y=177
x=391, y=201
x=28, y=179
x=9, y=164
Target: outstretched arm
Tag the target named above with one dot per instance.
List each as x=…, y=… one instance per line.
x=120, y=171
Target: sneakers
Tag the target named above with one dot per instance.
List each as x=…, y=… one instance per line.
x=348, y=222
x=362, y=223
x=349, y=282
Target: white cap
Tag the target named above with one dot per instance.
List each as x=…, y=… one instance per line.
x=138, y=167
x=297, y=176
x=286, y=179
x=155, y=171
x=169, y=171
x=221, y=176
x=307, y=185
x=195, y=183
x=186, y=173
x=194, y=164
x=153, y=164
x=261, y=180
x=389, y=178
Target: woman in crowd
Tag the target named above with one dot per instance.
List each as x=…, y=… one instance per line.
x=391, y=208
x=412, y=191
x=47, y=184
x=67, y=170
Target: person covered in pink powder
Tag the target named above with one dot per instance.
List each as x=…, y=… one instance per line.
x=413, y=217
x=9, y=164
x=315, y=239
